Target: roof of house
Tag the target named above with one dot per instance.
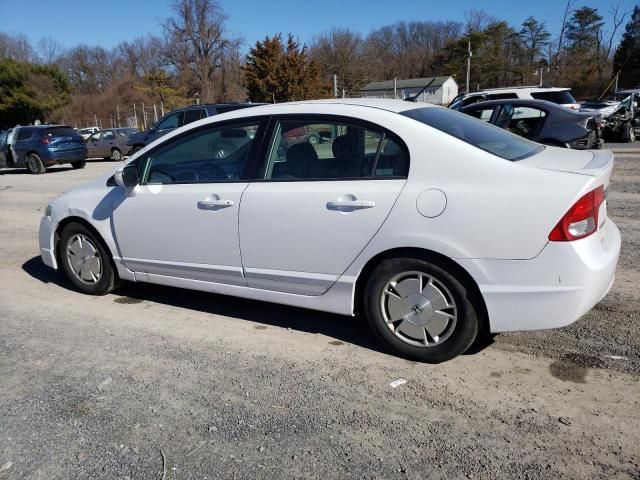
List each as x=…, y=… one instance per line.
x=410, y=83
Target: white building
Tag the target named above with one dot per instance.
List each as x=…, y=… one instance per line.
x=437, y=90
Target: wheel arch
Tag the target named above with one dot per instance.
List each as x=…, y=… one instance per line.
x=430, y=256
x=75, y=219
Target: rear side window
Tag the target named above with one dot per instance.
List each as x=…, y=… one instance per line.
x=560, y=98
x=328, y=150
x=60, y=132
x=193, y=115
x=25, y=133
x=477, y=133
x=502, y=96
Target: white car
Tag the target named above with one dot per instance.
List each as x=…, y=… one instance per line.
x=87, y=132
x=436, y=225
x=559, y=95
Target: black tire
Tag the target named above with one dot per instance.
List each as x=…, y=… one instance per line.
x=79, y=164
x=108, y=279
x=35, y=165
x=116, y=155
x=460, y=335
x=628, y=133
x=135, y=149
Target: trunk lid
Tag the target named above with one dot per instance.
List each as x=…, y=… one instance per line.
x=594, y=163
x=597, y=164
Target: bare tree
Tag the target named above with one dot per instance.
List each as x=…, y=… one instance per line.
x=196, y=42
x=341, y=52
x=49, y=50
x=16, y=47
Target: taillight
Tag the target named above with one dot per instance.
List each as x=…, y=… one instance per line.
x=581, y=220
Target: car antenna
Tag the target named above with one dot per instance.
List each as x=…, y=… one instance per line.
x=415, y=97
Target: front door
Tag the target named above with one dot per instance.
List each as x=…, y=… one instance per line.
x=182, y=220
x=321, y=199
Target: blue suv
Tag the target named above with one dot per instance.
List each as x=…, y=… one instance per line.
x=178, y=118
x=41, y=146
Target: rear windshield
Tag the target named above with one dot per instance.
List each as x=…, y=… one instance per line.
x=560, y=98
x=475, y=132
x=61, y=132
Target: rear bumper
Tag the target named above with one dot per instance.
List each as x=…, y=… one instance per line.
x=565, y=281
x=54, y=158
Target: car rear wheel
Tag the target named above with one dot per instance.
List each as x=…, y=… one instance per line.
x=35, y=165
x=85, y=260
x=116, y=155
x=420, y=310
x=79, y=164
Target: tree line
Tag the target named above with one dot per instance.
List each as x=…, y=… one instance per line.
x=196, y=58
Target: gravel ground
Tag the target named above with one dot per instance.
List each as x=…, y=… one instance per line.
x=153, y=383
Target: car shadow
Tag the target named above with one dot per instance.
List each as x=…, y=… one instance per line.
x=24, y=171
x=353, y=330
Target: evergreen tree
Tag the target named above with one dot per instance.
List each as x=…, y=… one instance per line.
x=627, y=57
x=274, y=73
x=29, y=92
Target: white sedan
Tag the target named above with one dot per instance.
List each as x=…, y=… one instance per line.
x=439, y=227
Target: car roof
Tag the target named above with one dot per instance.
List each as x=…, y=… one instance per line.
x=541, y=104
x=387, y=104
x=520, y=89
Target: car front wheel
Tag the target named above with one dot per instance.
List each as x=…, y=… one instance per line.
x=420, y=310
x=85, y=260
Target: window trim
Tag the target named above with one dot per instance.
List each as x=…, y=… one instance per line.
x=143, y=162
x=269, y=139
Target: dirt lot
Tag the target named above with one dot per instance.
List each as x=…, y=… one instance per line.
x=157, y=383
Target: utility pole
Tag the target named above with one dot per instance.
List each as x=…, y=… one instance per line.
x=469, y=64
x=615, y=89
x=395, y=87
x=118, y=115
x=335, y=86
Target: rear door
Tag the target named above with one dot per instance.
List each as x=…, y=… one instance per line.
x=93, y=145
x=318, y=204
x=107, y=142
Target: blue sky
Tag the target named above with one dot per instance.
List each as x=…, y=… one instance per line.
x=107, y=23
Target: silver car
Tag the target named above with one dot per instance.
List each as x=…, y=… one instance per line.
x=109, y=143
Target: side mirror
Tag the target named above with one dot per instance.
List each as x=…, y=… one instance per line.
x=127, y=177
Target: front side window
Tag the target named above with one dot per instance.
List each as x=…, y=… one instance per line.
x=94, y=137
x=215, y=154
x=479, y=134
x=501, y=96
x=173, y=120
x=326, y=150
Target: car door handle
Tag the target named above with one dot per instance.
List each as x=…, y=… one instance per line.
x=350, y=204
x=214, y=204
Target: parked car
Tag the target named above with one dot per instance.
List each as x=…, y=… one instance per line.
x=448, y=229
x=178, y=118
x=109, y=143
x=40, y=146
x=4, y=148
x=542, y=122
x=557, y=95
x=620, y=115
x=87, y=132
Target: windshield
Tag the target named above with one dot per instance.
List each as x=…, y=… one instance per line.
x=476, y=132
x=561, y=98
